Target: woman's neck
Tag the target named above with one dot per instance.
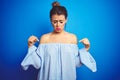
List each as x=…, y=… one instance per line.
x=58, y=33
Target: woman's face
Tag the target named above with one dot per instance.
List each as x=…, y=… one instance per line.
x=58, y=22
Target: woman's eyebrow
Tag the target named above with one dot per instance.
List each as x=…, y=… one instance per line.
x=58, y=20
x=61, y=20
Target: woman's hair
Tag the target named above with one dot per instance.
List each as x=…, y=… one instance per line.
x=57, y=9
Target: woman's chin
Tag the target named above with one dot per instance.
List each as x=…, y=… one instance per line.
x=58, y=31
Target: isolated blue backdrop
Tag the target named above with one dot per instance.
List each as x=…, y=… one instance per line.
x=98, y=20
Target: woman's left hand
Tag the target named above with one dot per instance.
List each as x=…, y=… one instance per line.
x=86, y=43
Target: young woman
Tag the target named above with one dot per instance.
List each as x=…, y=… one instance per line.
x=57, y=54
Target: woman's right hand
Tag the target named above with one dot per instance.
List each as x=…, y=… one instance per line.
x=86, y=42
x=32, y=40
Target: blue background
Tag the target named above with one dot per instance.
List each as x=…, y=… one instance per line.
x=98, y=20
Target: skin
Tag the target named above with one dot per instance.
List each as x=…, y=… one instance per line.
x=59, y=35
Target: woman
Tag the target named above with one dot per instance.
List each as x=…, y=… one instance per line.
x=57, y=54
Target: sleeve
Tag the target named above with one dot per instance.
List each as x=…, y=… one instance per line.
x=87, y=59
x=31, y=58
x=77, y=60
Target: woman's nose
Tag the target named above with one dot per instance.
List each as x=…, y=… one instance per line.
x=58, y=24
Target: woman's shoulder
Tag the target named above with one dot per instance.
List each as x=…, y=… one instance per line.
x=72, y=37
x=44, y=37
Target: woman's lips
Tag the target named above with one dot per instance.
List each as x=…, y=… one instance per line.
x=58, y=28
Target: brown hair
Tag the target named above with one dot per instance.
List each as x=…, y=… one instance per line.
x=57, y=9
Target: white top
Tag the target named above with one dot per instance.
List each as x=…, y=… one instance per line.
x=58, y=61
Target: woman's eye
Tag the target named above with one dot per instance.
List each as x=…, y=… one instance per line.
x=54, y=22
x=61, y=22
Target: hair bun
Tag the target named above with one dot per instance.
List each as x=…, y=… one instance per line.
x=55, y=4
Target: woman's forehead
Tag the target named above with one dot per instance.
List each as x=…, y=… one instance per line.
x=58, y=17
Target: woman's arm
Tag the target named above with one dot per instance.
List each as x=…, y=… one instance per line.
x=31, y=57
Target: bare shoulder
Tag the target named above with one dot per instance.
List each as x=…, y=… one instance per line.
x=44, y=38
x=73, y=38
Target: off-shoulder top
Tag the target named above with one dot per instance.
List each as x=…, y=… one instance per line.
x=58, y=61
